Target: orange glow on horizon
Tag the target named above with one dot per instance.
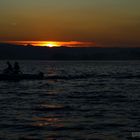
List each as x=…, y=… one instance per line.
x=53, y=43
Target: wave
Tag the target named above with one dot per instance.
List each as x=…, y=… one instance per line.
x=86, y=76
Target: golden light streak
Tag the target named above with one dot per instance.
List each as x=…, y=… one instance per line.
x=49, y=44
x=53, y=43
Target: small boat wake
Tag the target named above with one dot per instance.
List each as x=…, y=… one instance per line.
x=18, y=77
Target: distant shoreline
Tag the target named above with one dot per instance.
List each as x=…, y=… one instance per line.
x=15, y=52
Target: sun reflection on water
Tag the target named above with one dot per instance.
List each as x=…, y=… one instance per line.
x=49, y=121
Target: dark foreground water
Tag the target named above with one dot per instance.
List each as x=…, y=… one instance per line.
x=104, y=104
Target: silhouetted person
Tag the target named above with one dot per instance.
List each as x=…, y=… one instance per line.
x=41, y=74
x=9, y=69
x=17, y=68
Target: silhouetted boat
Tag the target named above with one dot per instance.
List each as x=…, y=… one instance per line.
x=40, y=76
x=15, y=77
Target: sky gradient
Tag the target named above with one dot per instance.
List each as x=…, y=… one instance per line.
x=101, y=22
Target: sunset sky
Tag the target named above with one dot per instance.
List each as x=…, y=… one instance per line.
x=71, y=22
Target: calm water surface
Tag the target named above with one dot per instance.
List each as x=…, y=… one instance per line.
x=102, y=102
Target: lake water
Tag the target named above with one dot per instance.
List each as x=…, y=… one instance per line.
x=102, y=102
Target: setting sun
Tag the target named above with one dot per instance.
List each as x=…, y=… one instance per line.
x=49, y=44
